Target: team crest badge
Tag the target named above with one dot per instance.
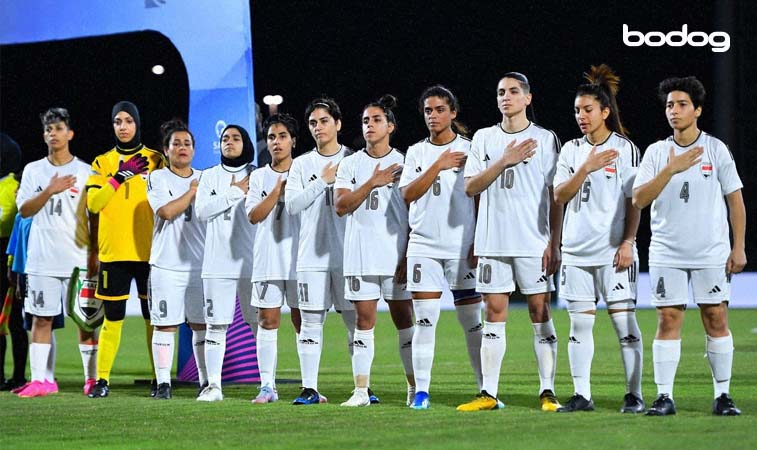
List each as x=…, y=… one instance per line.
x=610, y=171
x=84, y=308
x=706, y=168
x=73, y=192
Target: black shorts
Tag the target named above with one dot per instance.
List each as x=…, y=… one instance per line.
x=114, y=279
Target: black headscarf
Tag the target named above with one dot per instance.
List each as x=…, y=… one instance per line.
x=131, y=109
x=248, y=151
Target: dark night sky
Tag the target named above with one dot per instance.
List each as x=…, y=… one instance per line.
x=357, y=51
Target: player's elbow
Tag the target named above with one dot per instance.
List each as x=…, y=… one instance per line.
x=469, y=191
x=25, y=211
x=637, y=201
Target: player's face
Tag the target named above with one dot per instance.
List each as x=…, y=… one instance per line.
x=124, y=126
x=323, y=127
x=375, y=126
x=590, y=116
x=181, y=150
x=437, y=114
x=280, y=142
x=511, y=98
x=57, y=135
x=680, y=111
x=232, y=143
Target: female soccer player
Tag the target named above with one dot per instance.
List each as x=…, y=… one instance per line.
x=274, y=275
x=176, y=258
x=518, y=233
x=375, y=242
x=320, y=281
x=227, y=259
x=685, y=178
x=117, y=191
x=595, y=176
x=52, y=193
x=442, y=221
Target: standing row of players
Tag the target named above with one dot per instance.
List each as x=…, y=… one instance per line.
x=332, y=228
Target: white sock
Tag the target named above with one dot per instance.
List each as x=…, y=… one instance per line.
x=363, y=357
x=162, y=355
x=545, y=349
x=720, y=356
x=493, y=347
x=215, y=349
x=198, y=349
x=350, y=321
x=424, y=340
x=267, y=347
x=50, y=368
x=631, y=348
x=89, y=360
x=405, y=344
x=469, y=317
x=39, y=354
x=581, y=352
x=665, y=357
x=310, y=345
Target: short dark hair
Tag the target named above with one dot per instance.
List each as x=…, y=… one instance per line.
x=284, y=119
x=387, y=103
x=55, y=115
x=689, y=85
x=327, y=103
x=521, y=79
x=173, y=126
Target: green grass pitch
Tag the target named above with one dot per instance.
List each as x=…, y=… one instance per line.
x=130, y=419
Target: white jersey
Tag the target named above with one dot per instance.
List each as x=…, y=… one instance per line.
x=230, y=236
x=689, y=218
x=276, y=238
x=321, y=229
x=513, y=212
x=59, y=236
x=376, y=234
x=177, y=244
x=595, y=218
x=442, y=221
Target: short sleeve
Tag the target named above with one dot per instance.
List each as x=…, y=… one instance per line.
x=647, y=169
x=629, y=167
x=562, y=168
x=551, y=153
x=412, y=170
x=158, y=194
x=345, y=174
x=475, y=163
x=727, y=175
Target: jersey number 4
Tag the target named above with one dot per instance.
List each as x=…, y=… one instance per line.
x=684, y=192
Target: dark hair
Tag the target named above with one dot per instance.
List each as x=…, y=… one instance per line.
x=55, y=115
x=387, y=103
x=447, y=95
x=689, y=85
x=324, y=102
x=526, y=86
x=173, y=126
x=603, y=84
x=284, y=119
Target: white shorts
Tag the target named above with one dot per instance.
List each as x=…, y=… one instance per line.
x=272, y=294
x=372, y=287
x=592, y=283
x=670, y=287
x=318, y=291
x=498, y=275
x=175, y=297
x=428, y=274
x=220, y=300
x=45, y=295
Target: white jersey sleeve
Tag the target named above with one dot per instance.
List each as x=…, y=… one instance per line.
x=300, y=192
x=476, y=162
x=551, y=147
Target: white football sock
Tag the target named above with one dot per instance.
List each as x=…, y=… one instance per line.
x=405, y=345
x=363, y=357
x=162, y=355
x=545, y=349
x=720, y=356
x=50, y=367
x=310, y=345
x=493, y=347
x=469, y=317
x=424, y=341
x=350, y=321
x=267, y=347
x=215, y=349
x=39, y=354
x=631, y=348
x=665, y=357
x=581, y=352
x=198, y=349
x=89, y=360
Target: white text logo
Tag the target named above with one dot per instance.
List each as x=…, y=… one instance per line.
x=720, y=41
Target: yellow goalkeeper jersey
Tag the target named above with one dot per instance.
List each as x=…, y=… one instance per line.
x=126, y=219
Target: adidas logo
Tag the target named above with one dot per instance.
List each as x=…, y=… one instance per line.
x=573, y=340
x=486, y=158
x=571, y=170
x=408, y=344
x=313, y=177
x=478, y=327
x=491, y=336
x=423, y=323
x=548, y=340
x=418, y=169
x=39, y=189
x=542, y=279
x=353, y=180
x=629, y=339
x=618, y=287
x=715, y=290
x=263, y=194
x=359, y=344
x=308, y=342
x=470, y=276
x=213, y=192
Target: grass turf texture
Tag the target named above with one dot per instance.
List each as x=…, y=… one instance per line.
x=130, y=419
